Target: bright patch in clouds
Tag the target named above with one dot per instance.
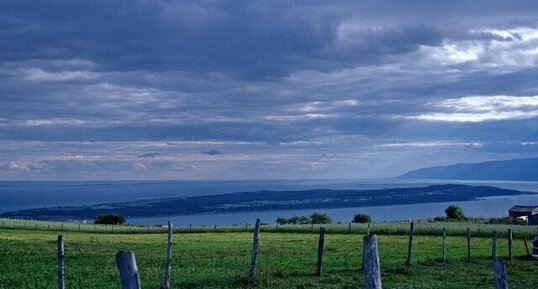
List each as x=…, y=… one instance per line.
x=505, y=50
x=483, y=108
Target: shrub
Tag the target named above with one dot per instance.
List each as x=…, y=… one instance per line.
x=281, y=221
x=361, y=218
x=320, y=218
x=315, y=218
x=455, y=213
x=301, y=220
x=507, y=221
x=110, y=219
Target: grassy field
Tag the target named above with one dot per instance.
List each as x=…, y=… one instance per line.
x=286, y=259
x=390, y=228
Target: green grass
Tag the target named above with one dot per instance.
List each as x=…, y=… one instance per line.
x=389, y=228
x=286, y=259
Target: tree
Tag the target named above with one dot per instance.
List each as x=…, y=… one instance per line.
x=455, y=213
x=300, y=220
x=281, y=221
x=362, y=218
x=110, y=219
x=320, y=218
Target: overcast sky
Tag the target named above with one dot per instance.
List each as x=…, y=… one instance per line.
x=263, y=89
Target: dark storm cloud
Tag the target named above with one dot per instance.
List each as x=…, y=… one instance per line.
x=156, y=88
x=148, y=155
x=251, y=39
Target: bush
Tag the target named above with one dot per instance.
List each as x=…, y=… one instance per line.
x=110, y=219
x=315, y=218
x=320, y=218
x=361, y=218
x=507, y=221
x=301, y=220
x=455, y=213
x=281, y=221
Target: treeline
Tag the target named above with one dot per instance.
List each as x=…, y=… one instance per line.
x=319, y=218
x=452, y=214
x=315, y=218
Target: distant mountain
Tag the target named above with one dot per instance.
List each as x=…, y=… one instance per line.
x=269, y=200
x=506, y=170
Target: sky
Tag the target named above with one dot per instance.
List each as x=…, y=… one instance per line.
x=263, y=89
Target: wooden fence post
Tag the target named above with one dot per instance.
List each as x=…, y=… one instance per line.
x=254, y=252
x=494, y=246
x=349, y=228
x=444, y=245
x=60, y=244
x=500, y=275
x=372, y=271
x=126, y=263
x=468, y=245
x=510, y=256
x=167, y=266
x=411, y=230
x=368, y=229
x=321, y=245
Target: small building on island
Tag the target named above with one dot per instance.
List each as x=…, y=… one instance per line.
x=527, y=213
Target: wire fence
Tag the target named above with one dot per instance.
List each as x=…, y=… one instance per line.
x=389, y=228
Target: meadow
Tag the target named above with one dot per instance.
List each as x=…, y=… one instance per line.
x=286, y=259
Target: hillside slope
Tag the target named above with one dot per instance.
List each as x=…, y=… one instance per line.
x=516, y=170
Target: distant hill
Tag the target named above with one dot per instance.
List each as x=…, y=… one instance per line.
x=506, y=170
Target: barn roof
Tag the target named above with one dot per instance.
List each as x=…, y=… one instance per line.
x=524, y=209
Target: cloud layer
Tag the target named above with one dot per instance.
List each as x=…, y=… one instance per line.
x=247, y=89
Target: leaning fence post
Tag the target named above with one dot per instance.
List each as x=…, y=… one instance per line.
x=372, y=271
x=444, y=244
x=320, y=250
x=500, y=275
x=167, y=266
x=494, y=246
x=510, y=244
x=468, y=245
x=254, y=253
x=411, y=230
x=60, y=244
x=126, y=263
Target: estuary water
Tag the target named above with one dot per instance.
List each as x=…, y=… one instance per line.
x=24, y=195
